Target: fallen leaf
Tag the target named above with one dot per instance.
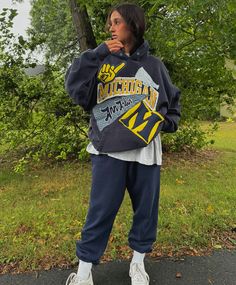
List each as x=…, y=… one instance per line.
x=179, y=181
x=210, y=209
x=178, y=275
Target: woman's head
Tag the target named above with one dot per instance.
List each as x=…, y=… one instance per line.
x=126, y=21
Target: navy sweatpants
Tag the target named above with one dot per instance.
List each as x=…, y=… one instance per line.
x=110, y=178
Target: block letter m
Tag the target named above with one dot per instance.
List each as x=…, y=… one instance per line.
x=142, y=121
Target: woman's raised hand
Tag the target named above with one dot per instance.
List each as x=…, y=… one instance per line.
x=114, y=45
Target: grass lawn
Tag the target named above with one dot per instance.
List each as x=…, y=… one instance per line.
x=43, y=211
x=225, y=137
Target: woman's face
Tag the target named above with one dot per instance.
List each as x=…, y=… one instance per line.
x=119, y=29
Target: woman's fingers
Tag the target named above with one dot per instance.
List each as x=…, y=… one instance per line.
x=114, y=45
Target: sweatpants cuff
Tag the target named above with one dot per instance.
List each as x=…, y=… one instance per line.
x=94, y=262
x=140, y=249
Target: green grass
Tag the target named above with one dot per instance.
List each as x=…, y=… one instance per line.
x=196, y=200
x=225, y=137
x=43, y=211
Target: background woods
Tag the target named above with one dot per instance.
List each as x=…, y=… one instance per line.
x=195, y=39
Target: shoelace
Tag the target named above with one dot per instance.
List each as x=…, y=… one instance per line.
x=71, y=279
x=138, y=273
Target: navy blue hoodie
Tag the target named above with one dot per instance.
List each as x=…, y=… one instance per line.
x=130, y=98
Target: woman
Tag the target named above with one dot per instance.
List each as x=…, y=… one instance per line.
x=131, y=99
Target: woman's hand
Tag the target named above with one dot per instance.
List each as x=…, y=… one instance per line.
x=114, y=45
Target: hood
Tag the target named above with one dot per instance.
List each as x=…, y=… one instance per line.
x=141, y=51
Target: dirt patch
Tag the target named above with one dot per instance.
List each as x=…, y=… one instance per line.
x=189, y=157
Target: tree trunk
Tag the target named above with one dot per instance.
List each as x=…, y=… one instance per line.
x=82, y=25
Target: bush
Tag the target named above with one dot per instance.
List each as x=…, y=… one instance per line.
x=189, y=136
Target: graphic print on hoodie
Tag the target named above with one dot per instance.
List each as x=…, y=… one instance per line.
x=131, y=98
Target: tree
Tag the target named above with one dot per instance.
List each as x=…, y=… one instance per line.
x=82, y=24
x=193, y=38
x=32, y=118
x=201, y=39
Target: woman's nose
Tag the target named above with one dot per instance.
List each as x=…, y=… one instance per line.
x=111, y=29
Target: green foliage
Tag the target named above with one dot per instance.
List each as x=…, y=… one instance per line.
x=189, y=137
x=51, y=19
x=37, y=116
x=193, y=38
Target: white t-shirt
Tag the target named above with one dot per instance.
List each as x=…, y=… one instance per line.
x=149, y=155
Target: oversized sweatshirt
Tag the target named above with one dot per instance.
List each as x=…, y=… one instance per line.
x=130, y=98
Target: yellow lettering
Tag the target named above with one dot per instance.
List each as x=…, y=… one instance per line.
x=125, y=87
x=102, y=91
x=152, y=99
x=132, y=87
x=138, y=87
x=145, y=89
x=122, y=86
x=142, y=121
x=110, y=90
x=119, y=87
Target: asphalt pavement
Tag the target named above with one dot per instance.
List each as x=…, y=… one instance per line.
x=218, y=269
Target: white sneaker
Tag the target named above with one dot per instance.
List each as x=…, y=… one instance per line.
x=138, y=274
x=74, y=279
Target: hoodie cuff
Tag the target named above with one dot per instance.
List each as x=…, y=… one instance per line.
x=102, y=50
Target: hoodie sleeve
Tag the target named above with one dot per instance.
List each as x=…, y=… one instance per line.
x=81, y=76
x=172, y=116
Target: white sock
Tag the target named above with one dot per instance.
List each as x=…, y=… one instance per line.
x=84, y=269
x=138, y=257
